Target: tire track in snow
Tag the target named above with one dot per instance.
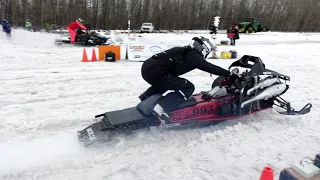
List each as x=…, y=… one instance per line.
x=203, y=153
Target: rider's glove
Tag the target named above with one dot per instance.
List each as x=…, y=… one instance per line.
x=229, y=80
x=233, y=77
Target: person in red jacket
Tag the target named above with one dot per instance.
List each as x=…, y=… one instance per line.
x=72, y=28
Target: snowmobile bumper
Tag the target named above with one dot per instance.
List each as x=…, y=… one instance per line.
x=91, y=134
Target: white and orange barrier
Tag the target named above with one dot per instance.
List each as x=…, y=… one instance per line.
x=131, y=52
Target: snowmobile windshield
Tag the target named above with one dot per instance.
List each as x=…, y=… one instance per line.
x=256, y=66
x=259, y=69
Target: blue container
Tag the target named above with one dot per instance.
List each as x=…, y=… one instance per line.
x=233, y=54
x=287, y=174
x=224, y=42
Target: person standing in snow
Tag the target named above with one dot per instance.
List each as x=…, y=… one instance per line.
x=213, y=31
x=6, y=27
x=235, y=32
x=72, y=28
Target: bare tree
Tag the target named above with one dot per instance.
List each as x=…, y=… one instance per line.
x=284, y=15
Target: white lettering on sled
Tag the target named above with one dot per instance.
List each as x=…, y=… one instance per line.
x=91, y=134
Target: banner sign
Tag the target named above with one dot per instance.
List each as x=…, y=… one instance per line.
x=141, y=52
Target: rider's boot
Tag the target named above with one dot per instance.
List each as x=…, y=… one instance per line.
x=161, y=114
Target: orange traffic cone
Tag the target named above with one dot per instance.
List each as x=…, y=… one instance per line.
x=84, y=56
x=94, y=57
x=267, y=174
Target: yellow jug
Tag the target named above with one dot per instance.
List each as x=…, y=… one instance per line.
x=225, y=55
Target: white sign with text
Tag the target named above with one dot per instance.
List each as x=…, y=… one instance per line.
x=139, y=52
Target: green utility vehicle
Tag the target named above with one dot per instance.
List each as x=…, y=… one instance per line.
x=252, y=26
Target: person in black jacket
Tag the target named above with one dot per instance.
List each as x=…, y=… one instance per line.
x=162, y=72
x=6, y=27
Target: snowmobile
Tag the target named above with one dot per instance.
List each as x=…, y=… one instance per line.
x=255, y=89
x=88, y=38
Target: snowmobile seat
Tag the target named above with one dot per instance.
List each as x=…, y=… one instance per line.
x=140, y=112
x=190, y=102
x=145, y=106
x=122, y=116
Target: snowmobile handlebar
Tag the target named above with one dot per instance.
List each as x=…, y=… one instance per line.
x=238, y=81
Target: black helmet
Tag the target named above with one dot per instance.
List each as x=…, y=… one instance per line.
x=6, y=16
x=202, y=45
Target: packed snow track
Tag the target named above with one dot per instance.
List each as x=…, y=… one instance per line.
x=47, y=95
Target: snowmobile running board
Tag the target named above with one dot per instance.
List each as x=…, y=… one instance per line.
x=105, y=129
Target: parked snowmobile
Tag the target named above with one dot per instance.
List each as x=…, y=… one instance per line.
x=249, y=94
x=88, y=38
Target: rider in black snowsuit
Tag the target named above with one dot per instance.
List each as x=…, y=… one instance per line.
x=161, y=71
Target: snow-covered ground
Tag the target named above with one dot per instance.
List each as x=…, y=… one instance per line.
x=47, y=94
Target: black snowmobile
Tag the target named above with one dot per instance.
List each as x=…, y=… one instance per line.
x=227, y=100
x=87, y=38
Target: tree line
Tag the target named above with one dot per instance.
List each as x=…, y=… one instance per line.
x=277, y=15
